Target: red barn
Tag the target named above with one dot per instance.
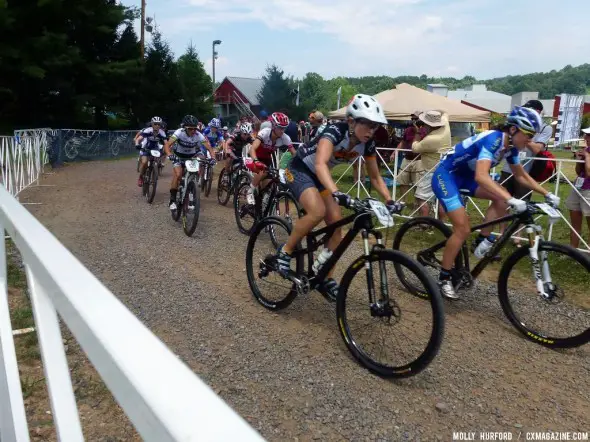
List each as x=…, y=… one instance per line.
x=237, y=96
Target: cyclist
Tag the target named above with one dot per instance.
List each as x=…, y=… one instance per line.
x=267, y=141
x=148, y=139
x=213, y=134
x=236, y=143
x=465, y=169
x=308, y=176
x=184, y=143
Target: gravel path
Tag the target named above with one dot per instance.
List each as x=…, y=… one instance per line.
x=289, y=373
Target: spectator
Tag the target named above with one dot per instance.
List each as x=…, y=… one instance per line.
x=316, y=119
x=536, y=145
x=302, y=132
x=264, y=120
x=411, y=169
x=436, y=140
x=578, y=201
x=292, y=130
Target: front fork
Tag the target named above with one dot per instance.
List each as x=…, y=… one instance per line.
x=384, y=292
x=541, y=271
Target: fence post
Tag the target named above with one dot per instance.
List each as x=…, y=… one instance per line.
x=559, y=167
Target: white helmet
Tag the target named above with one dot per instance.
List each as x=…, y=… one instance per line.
x=365, y=106
x=156, y=120
x=246, y=128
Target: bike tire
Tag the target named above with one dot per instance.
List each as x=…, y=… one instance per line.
x=239, y=208
x=178, y=212
x=438, y=320
x=209, y=181
x=138, y=164
x=258, y=231
x=223, y=188
x=145, y=188
x=289, y=200
x=534, y=335
x=153, y=184
x=194, y=190
x=426, y=223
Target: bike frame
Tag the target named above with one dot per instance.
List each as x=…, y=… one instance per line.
x=361, y=222
x=516, y=221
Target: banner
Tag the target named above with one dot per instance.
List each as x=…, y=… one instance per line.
x=569, y=119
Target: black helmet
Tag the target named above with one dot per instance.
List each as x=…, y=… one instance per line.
x=190, y=121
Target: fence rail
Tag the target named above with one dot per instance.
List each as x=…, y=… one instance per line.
x=163, y=398
x=22, y=159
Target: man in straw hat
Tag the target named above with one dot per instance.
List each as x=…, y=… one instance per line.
x=437, y=139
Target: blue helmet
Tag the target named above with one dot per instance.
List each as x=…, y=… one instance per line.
x=263, y=114
x=215, y=123
x=525, y=119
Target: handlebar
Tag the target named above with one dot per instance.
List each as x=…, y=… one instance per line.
x=364, y=205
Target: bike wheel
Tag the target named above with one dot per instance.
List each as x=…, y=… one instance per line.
x=261, y=266
x=285, y=206
x=191, y=206
x=245, y=213
x=146, y=182
x=388, y=314
x=138, y=164
x=223, y=188
x=209, y=175
x=562, y=321
x=153, y=184
x=413, y=238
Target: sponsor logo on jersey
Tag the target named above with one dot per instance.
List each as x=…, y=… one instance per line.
x=289, y=176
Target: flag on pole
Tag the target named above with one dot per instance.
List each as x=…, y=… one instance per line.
x=297, y=99
x=339, y=95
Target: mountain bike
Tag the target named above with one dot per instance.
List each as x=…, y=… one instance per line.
x=274, y=199
x=150, y=176
x=229, y=182
x=384, y=299
x=188, y=197
x=528, y=264
x=207, y=177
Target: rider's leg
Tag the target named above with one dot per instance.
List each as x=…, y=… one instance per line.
x=461, y=231
x=333, y=215
x=315, y=211
x=176, y=175
x=143, y=160
x=496, y=210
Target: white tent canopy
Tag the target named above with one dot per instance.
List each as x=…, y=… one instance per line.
x=399, y=104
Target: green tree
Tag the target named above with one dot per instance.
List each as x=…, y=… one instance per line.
x=196, y=87
x=277, y=90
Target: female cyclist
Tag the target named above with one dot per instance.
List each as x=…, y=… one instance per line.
x=465, y=170
x=308, y=176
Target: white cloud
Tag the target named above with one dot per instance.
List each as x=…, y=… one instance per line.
x=394, y=37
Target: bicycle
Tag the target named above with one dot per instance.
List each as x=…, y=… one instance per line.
x=150, y=176
x=207, y=177
x=228, y=182
x=268, y=201
x=384, y=300
x=537, y=250
x=188, y=197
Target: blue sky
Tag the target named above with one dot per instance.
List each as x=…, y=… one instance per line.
x=483, y=38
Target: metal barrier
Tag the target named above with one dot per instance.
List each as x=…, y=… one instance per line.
x=358, y=187
x=22, y=159
x=163, y=398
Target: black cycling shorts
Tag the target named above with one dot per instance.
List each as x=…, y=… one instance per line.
x=299, y=178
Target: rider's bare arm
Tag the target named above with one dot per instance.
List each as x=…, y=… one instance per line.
x=253, y=147
x=168, y=145
x=322, y=158
x=376, y=178
x=485, y=181
x=526, y=180
x=209, y=148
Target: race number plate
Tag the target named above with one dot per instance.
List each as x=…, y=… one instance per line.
x=192, y=165
x=381, y=212
x=550, y=211
x=155, y=153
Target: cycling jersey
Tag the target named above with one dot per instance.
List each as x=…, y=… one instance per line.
x=343, y=152
x=267, y=148
x=152, y=140
x=214, y=138
x=185, y=146
x=237, y=143
x=455, y=175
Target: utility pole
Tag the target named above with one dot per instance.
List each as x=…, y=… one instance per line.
x=142, y=38
x=215, y=43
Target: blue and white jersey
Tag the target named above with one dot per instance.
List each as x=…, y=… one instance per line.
x=152, y=139
x=213, y=138
x=489, y=145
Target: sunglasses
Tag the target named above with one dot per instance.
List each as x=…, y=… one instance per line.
x=190, y=128
x=370, y=124
x=527, y=133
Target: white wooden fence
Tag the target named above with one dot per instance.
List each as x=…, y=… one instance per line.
x=163, y=398
x=22, y=160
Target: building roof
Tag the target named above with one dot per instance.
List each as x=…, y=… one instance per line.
x=437, y=85
x=249, y=87
x=483, y=98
